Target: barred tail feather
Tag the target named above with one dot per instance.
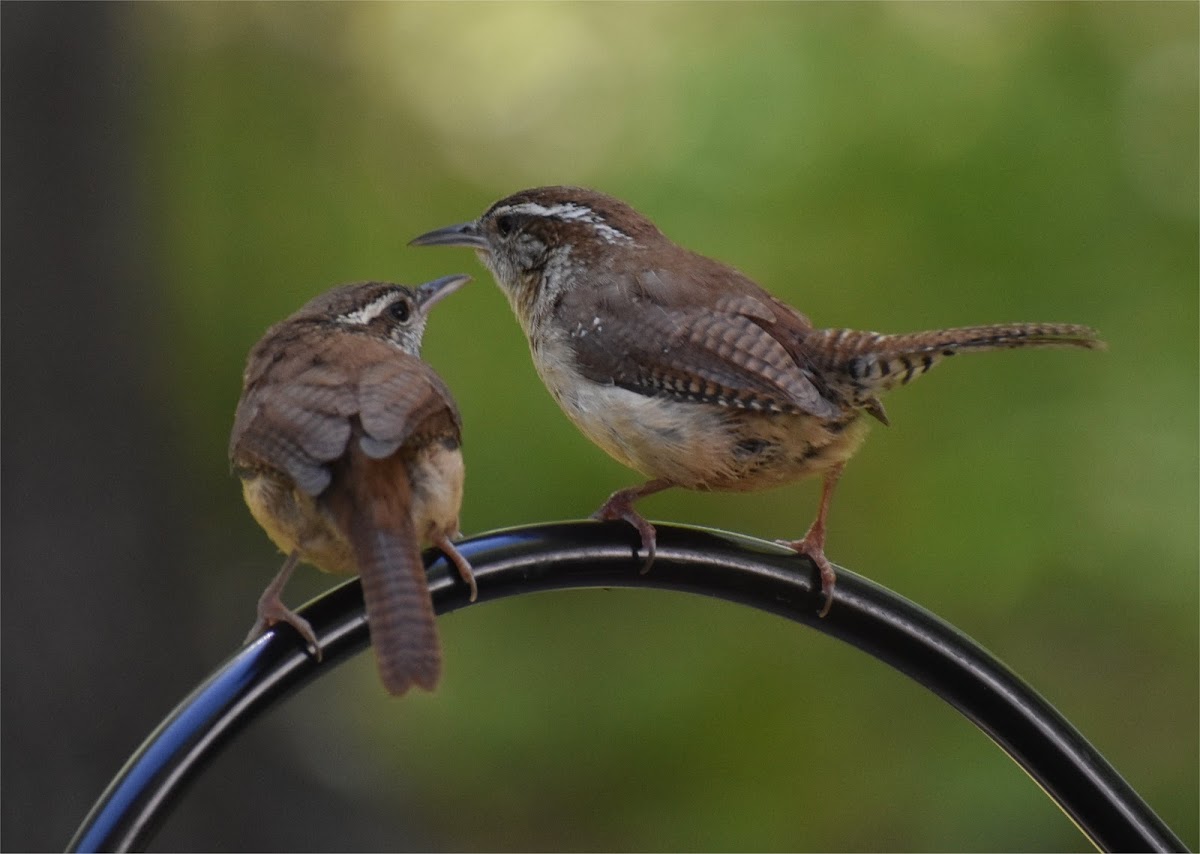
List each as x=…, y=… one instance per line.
x=399, y=611
x=875, y=362
x=371, y=500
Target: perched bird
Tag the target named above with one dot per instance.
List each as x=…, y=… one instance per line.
x=348, y=448
x=684, y=369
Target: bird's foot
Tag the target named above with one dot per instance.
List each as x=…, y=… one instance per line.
x=272, y=611
x=814, y=549
x=461, y=563
x=620, y=506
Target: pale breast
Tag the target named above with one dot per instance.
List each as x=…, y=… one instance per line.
x=700, y=445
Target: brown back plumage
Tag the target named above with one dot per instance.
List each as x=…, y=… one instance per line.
x=337, y=407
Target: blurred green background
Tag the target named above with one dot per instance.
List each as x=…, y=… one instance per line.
x=180, y=176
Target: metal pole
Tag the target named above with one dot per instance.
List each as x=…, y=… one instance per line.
x=710, y=563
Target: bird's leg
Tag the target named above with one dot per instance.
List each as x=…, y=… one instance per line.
x=812, y=545
x=620, y=506
x=464, y=567
x=271, y=609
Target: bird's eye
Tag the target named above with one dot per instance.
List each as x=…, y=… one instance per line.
x=400, y=310
x=505, y=225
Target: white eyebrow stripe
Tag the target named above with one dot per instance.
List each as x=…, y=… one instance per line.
x=568, y=211
x=370, y=311
x=610, y=234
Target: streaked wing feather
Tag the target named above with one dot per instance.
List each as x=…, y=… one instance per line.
x=296, y=415
x=295, y=420
x=726, y=355
x=400, y=398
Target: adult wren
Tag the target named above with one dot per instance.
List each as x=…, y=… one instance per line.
x=348, y=448
x=684, y=369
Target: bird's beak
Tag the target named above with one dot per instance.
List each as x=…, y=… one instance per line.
x=431, y=293
x=464, y=234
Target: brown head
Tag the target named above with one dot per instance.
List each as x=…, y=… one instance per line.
x=536, y=242
x=395, y=313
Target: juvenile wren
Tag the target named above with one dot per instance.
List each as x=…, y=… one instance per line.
x=684, y=369
x=347, y=445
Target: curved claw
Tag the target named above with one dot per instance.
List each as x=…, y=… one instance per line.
x=461, y=563
x=816, y=553
x=271, y=613
x=645, y=529
x=271, y=609
x=812, y=545
x=620, y=506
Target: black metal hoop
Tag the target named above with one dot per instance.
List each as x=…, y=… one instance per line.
x=710, y=563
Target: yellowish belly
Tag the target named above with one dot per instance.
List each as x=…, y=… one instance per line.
x=295, y=522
